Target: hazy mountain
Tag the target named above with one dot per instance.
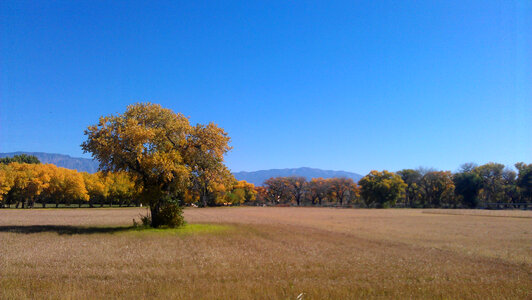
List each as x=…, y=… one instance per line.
x=258, y=177
x=61, y=160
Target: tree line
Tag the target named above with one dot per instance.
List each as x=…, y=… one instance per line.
x=28, y=185
x=25, y=183
x=471, y=187
x=152, y=155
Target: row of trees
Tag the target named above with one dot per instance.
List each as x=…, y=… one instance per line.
x=25, y=185
x=22, y=158
x=299, y=191
x=472, y=186
x=161, y=160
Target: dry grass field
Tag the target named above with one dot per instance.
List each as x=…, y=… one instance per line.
x=267, y=253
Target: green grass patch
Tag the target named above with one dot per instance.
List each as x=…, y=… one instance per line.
x=188, y=229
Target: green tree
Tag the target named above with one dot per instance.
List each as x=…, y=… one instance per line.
x=381, y=189
x=467, y=186
x=510, y=189
x=524, y=180
x=491, y=175
x=22, y=158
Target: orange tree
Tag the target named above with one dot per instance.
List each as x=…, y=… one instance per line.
x=340, y=188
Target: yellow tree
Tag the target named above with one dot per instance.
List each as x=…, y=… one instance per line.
x=438, y=188
x=65, y=186
x=21, y=180
x=162, y=152
x=250, y=194
x=241, y=192
x=55, y=187
x=96, y=187
x=39, y=181
x=72, y=187
x=381, y=189
x=120, y=187
x=204, y=155
x=26, y=184
x=6, y=182
x=148, y=142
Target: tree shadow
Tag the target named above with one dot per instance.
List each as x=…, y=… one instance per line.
x=64, y=229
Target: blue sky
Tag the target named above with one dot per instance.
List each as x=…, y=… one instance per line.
x=344, y=85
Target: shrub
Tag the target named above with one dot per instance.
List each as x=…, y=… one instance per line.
x=171, y=215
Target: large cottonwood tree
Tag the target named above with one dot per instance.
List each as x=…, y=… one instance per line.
x=161, y=150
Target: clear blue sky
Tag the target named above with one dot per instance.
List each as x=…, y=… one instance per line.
x=345, y=85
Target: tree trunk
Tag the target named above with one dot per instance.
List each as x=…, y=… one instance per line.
x=155, y=219
x=204, y=200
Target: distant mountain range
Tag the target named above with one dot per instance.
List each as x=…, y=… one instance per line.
x=61, y=160
x=256, y=177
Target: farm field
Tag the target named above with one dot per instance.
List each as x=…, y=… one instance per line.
x=267, y=253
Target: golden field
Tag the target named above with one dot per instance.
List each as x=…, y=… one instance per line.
x=267, y=253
